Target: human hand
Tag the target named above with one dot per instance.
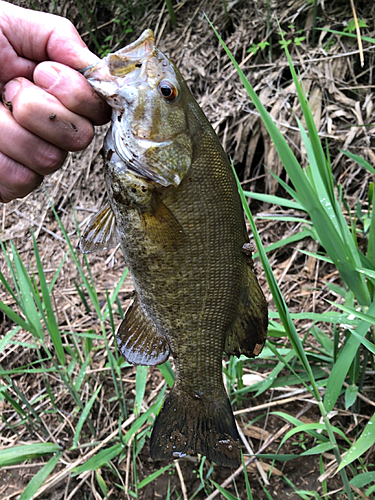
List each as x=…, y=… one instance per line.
x=48, y=108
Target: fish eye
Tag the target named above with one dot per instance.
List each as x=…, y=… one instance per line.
x=168, y=90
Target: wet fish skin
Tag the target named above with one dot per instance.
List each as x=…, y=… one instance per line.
x=180, y=223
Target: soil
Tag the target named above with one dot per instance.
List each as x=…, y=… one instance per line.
x=341, y=95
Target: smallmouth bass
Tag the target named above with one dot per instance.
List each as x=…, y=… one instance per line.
x=175, y=208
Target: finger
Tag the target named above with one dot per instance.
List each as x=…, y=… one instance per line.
x=45, y=116
x=72, y=90
x=26, y=148
x=38, y=36
x=16, y=180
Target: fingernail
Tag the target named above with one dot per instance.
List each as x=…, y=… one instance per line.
x=10, y=90
x=47, y=77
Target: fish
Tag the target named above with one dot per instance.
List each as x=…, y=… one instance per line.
x=175, y=209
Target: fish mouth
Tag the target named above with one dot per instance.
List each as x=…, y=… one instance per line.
x=140, y=48
x=123, y=62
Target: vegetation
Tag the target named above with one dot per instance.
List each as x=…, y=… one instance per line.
x=328, y=361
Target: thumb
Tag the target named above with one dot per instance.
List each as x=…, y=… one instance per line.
x=66, y=46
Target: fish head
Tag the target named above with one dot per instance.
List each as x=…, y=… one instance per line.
x=148, y=96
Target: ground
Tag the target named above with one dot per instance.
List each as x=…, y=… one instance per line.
x=340, y=94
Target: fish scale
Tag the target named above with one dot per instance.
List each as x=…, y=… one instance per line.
x=175, y=208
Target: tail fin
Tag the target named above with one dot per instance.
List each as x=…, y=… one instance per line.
x=196, y=424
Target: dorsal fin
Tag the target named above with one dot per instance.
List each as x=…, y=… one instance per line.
x=138, y=339
x=101, y=232
x=248, y=332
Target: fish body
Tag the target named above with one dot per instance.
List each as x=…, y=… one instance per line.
x=175, y=208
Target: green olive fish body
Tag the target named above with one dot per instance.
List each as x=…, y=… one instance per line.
x=175, y=208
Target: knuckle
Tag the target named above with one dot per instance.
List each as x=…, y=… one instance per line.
x=17, y=180
x=65, y=25
x=24, y=105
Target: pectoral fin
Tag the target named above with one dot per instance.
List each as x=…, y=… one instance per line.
x=138, y=339
x=161, y=226
x=249, y=330
x=101, y=233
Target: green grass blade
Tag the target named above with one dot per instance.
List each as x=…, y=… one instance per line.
x=105, y=456
x=369, y=318
x=361, y=161
x=308, y=428
x=225, y=493
x=56, y=275
x=51, y=322
x=363, y=479
x=101, y=483
x=27, y=295
x=81, y=374
x=369, y=345
x=17, y=454
x=343, y=363
x=266, y=384
x=363, y=443
x=153, y=476
x=13, y=316
x=9, y=261
x=351, y=394
x=274, y=200
x=39, y=478
x=171, y=12
x=143, y=418
x=117, y=381
x=14, y=404
x=318, y=449
x=100, y=459
x=350, y=35
x=247, y=482
x=301, y=235
x=268, y=495
x=115, y=294
x=371, y=233
x=140, y=388
x=84, y=415
x=91, y=290
x=277, y=456
x=7, y=337
x=298, y=425
x=8, y=287
x=167, y=372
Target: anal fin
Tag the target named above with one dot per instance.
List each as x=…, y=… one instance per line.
x=248, y=332
x=138, y=339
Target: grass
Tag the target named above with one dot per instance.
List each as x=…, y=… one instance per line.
x=319, y=363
